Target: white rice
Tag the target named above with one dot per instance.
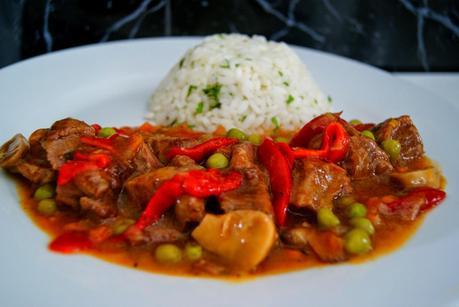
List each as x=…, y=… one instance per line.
x=237, y=81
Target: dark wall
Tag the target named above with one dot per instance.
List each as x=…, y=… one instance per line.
x=396, y=35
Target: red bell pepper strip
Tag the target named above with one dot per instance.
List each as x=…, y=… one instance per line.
x=70, y=169
x=102, y=143
x=211, y=182
x=287, y=152
x=280, y=177
x=198, y=183
x=431, y=197
x=335, y=145
x=81, y=163
x=202, y=150
x=71, y=242
x=100, y=159
x=312, y=128
x=165, y=197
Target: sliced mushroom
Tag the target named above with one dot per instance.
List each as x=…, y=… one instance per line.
x=242, y=237
x=429, y=177
x=12, y=151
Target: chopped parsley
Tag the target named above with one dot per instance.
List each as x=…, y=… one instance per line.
x=199, y=108
x=315, y=102
x=191, y=126
x=226, y=65
x=181, y=62
x=281, y=73
x=213, y=93
x=286, y=83
x=242, y=118
x=330, y=100
x=275, y=122
x=290, y=99
x=191, y=88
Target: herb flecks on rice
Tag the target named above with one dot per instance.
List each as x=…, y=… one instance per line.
x=238, y=81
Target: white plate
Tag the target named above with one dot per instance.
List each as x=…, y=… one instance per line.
x=110, y=84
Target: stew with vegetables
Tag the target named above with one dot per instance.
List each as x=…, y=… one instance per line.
x=177, y=201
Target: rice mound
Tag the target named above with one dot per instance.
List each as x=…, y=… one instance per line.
x=238, y=81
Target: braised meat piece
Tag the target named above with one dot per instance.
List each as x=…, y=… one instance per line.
x=254, y=191
x=93, y=183
x=145, y=160
x=68, y=195
x=365, y=158
x=140, y=188
x=161, y=143
x=63, y=138
x=405, y=132
x=35, y=173
x=189, y=209
x=316, y=183
x=103, y=207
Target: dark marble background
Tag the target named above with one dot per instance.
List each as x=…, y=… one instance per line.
x=396, y=35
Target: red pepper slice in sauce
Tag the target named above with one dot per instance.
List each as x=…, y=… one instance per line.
x=335, y=145
x=81, y=163
x=202, y=150
x=103, y=143
x=71, y=242
x=312, y=128
x=198, y=183
x=279, y=170
x=431, y=197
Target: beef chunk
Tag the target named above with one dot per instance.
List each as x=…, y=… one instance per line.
x=141, y=188
x=63, y=138
x=93, y=183
x=189, y=209
x=243, y=156
x=161, y=143
x=103, y=207
x=68, y=194
x=405, y=132
x=145, y=160
x=35, y=173
x=254, y=190
x=365, y=158
x=316, y=183
x=182, y=161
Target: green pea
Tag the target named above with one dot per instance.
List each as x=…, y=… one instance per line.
x=47, y=206
x=168, y=253
x=345, y=201
x=193, y=251
x=217, y=160
x=255, y=139
x=392, y=148
x=237, y=134
x=368, y=134
x=106, y=132
x=44, y=191
x=120, y=226
x=357, y=210
x=327, y=218
x=357, y=241
x=355, y=122
x=281, y=139
x=363, y=223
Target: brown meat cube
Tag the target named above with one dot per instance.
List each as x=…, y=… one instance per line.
x=68, y=194
x=405, y=132
x=317, y=183
x=35, y=173
x=102, y=207
x=182, y=161
x=252, y=194
x=189, y=209
x=243, y=156
x=141, y=188
x=63, y=138
x=92, y=183
x=145, y=160
x=365, y=158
